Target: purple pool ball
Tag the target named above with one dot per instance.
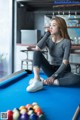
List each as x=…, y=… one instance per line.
x=24, y=117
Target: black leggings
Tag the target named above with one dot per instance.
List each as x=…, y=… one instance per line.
x=66, y=78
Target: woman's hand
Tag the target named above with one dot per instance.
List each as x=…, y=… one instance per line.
x=29, y=48
x=49, y=81
x=32, y=47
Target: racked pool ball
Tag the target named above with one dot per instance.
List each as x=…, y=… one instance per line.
x=34, y=103
x=24, y=117
x=30, y=112
x=38, y=110
x=16, y=109
x=10, y=115
x=28, y=105
x=22, y=107
x=33, y=116
x=35, y=106
x=16, y=115
x=41, y=117
x=23, y=111
x=30, y=108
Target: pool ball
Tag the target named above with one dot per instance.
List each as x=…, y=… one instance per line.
x=30, y=112
x=34, y=103
x=38, y=110
x=22, y=107
x=16, y=109
x=30, y=108
x=16, y=115
x=23, y=111
x=28, y=105
x=41, y=117
x=33, y=116
x=10, y=115
x=24, y=117
x=35, y=106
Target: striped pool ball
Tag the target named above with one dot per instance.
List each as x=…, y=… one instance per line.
x=38, y=110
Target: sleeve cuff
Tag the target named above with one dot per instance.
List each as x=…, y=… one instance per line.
x=55, y=75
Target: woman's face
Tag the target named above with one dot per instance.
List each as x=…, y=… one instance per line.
x=54, y=29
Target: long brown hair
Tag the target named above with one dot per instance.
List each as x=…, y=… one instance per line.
x=63, y=26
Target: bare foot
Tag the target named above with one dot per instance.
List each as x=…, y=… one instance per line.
x=49, y=81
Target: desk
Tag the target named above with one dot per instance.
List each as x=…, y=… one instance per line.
x=75, y=49
x=58, y=103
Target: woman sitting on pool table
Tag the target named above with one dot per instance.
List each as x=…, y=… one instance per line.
x=58, y=71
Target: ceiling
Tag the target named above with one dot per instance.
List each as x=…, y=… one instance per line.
x=37, y=4
x=34, y=5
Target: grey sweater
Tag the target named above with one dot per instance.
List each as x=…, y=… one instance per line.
x=58, y=51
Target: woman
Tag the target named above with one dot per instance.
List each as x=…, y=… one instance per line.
x=59, y=70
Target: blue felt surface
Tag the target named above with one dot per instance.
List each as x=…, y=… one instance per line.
x=58, y=103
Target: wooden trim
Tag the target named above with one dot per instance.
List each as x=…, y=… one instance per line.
x=77, y=112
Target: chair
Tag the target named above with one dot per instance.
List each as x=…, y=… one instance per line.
x=29, y=62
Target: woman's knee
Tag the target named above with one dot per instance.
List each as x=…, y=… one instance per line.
x=37, y=58
x=37, y=54
x=70, y=80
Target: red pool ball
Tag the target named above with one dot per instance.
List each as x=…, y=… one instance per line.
x=10, y=115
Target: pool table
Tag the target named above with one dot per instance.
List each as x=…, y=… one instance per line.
x=58, y=103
